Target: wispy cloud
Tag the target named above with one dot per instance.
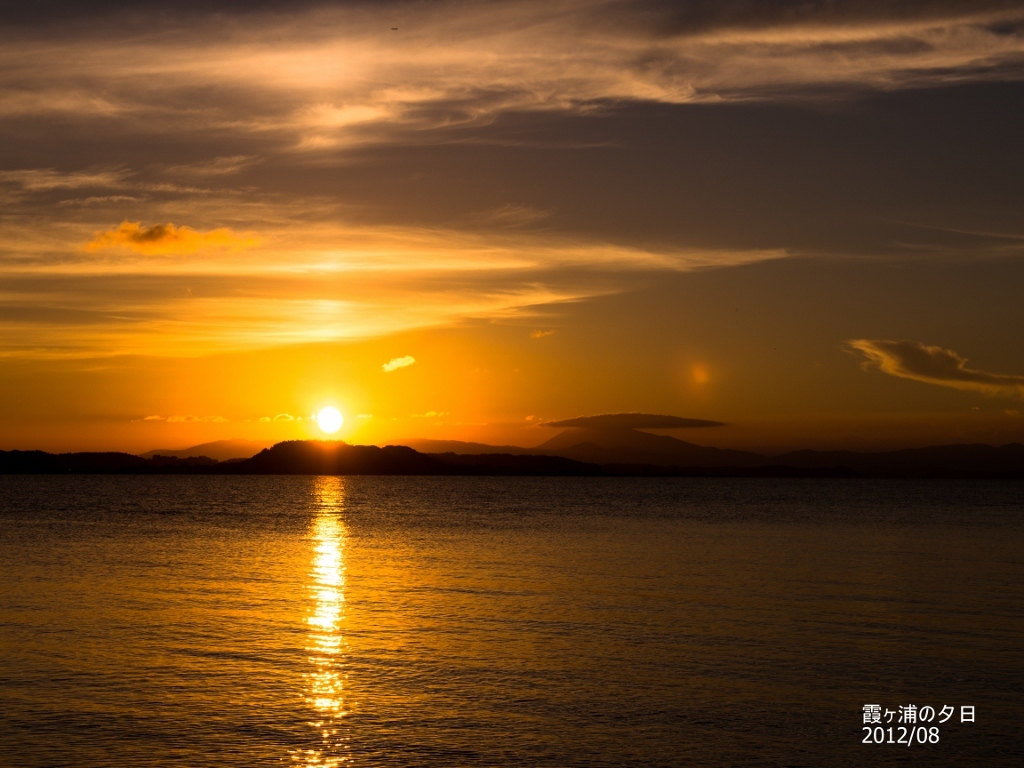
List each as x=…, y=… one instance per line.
x=46, y=179
x=398, y=362
x=337, y=77
x=218, y=166
x=934, y=365
x=541, y=334
x=100, y=200
x=167, y=239
x=633, y=421
x=305, y=282
x=251, y=88
x=513, y=215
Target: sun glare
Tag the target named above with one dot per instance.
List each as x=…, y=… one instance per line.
x=330, y=420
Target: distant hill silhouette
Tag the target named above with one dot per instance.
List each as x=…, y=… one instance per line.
x=631, y=446
x=631, y=451
x=626, y=452
x=424, y=445
x=39, y=462
x=338, y=458
x=220, y=450
x=608, y=446
x=334, y=457
x=297, y=457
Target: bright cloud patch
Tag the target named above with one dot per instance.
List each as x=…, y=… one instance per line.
x=167, y=239
x=934, y=365
x=398, y=362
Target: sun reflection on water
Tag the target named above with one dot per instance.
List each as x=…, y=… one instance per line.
x=325, y=680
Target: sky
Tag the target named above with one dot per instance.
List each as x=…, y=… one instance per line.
x=459, y=220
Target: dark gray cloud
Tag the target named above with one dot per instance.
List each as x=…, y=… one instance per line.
x=934, y=365
x=649, y=139
x=134, y=17
x=668, y=16
x=704, y=14
x=633, y=421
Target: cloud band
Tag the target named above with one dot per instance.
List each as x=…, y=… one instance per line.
x=934, y=365
x=633, y=421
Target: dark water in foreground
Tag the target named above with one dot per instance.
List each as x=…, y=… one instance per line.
x=250, y=621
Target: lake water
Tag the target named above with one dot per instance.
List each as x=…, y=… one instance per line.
x=267, y=621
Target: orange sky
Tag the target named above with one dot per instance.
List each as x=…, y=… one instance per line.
x=805, y=224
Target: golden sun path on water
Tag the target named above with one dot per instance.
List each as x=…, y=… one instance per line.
x=324, y=687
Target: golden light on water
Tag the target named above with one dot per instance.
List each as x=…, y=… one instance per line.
x=325, y=678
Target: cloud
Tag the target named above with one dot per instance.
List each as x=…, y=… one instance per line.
x=265, y=418
x=398, y=362
x=541, y=334
x=311, y=282
x=46, y=179
x=934, y=365
x=365, y=416
x=166, y=239
x=455, y=65
x=633, y=421
x=284, y=417
x=512, y=215
x=219, y=166
x=101, y=200
x=250, y=87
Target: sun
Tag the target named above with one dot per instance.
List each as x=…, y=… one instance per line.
x=330, y=420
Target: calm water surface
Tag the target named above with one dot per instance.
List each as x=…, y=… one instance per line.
x=251, y=621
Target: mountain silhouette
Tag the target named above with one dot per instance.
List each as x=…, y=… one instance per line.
x=626, y=451
x=40, y=462
x=426, y=445
x=298, y=457
x=338, y=458
x=582, y=452
x=220, y=450
x=334, y=457
x=631, y=446
x=607, y=446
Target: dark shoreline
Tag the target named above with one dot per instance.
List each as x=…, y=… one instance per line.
x=317, y=458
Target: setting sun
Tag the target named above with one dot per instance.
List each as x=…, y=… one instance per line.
x=330, y=420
